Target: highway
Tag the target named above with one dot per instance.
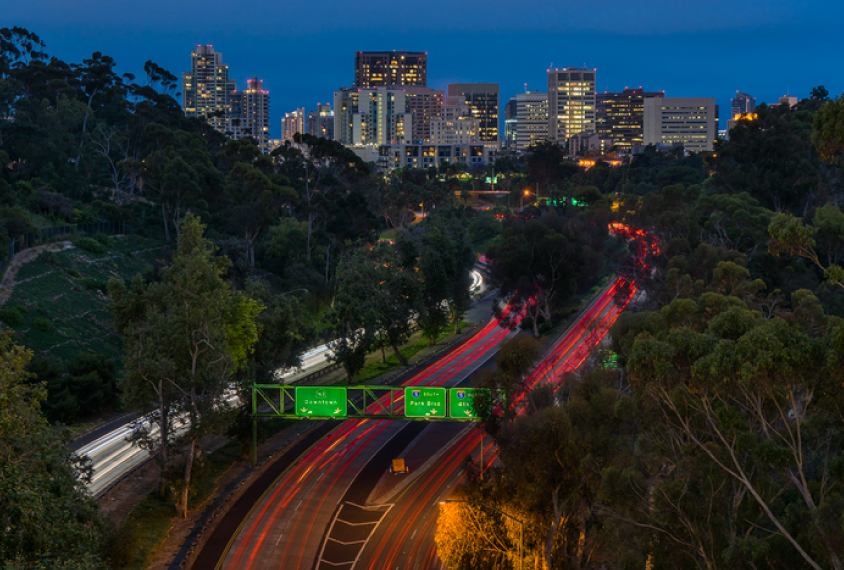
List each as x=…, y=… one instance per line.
x=285, y=529
x=326, y=510
x=113, y=456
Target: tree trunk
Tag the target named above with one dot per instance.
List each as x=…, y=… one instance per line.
x=383, y=353
x=552, y=531
x=188, y=468
x=310, y=228
x=163, y=410
x=166, y=222
x=399, y=355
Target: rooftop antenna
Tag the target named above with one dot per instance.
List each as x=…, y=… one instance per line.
x=525, y=87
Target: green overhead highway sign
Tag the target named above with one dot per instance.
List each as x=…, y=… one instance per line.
x=321, y=401
x=460, y=402
x=421, y=402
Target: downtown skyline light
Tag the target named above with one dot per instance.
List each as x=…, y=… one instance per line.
x=305, y=50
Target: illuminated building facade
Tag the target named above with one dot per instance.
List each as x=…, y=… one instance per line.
x=531, y=119
x=371, y=116
x=425, y=104
x=571, y=103
x=743, y=104
x=207, y=91
x=510, y=125
x=474, y=155
x=689, y=121
x=292, y=123
x=321, y=121
x=390, y=69
x=456, y=125
x=255, y=113
x=483, y=101
x=619, y=117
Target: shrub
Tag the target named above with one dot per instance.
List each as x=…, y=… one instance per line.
x=103, y=239
x=73, y=273
x=89, y=244
x=42, y=324
x=12, y=316
x=94, y=285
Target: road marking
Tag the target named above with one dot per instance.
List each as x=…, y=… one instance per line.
x=414, y=534
x=300, y=504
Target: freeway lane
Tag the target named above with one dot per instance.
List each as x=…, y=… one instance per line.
x=285, y=529
x=404, y=538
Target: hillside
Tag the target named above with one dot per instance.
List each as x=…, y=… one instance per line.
x=60, y=296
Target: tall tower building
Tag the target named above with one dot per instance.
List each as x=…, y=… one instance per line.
x=390, y=68
x=620, y=116
x=372, y=116
x=207, y=91
x=483, y=100
x=571, y=103
x=531, y=119
x=292, y=123
x=425, y=104
x=255, y=113
x=321, y=121
x=743, y=104
x=510, y=125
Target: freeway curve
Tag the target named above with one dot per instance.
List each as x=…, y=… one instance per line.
x=323, y=513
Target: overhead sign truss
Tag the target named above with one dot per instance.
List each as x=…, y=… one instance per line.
x=371, y=402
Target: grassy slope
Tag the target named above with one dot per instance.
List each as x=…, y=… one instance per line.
x=49, y=287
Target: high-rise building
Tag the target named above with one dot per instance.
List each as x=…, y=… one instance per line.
x=371, y=116
x=510, y=125
x=483, y=100
x=531, y=119
x=207, y=91
x=255, y=113
x=687, y=121
x=743, y=104
x=292, y=123
x=456, y=125
x=425, y=104
x=619, y=117
x=571, y=103
x=321, y=121
x=390, y=68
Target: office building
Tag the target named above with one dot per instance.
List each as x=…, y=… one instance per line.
x=474, y=155
x=686, y=121
x=483, y=101
x=456, y=124
x=531, y=119
x=619, y=117
x=743, y=104
x=571, y=103
x=254, y=111
x=207, y=91
x=292, y=123
x=371, y=116
x=321, y=122
x=425, y=104
x=510, y=125
x=390, y=69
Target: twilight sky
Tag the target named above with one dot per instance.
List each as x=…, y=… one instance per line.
x=304, y=50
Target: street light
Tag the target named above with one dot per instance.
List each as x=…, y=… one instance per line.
x=521, y=523
x=527, y=193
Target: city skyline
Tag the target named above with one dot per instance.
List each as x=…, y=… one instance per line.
x=629, y=48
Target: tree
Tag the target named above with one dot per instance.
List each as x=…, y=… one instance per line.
x=185, y=337
x=789, y=236
x=46, y=518
x=745, y=393
x=828, y=130
x=446, y=260
x=255, y=202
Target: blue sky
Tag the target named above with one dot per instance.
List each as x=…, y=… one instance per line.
x=305, y=49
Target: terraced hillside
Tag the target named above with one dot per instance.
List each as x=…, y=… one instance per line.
x=61, y=296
